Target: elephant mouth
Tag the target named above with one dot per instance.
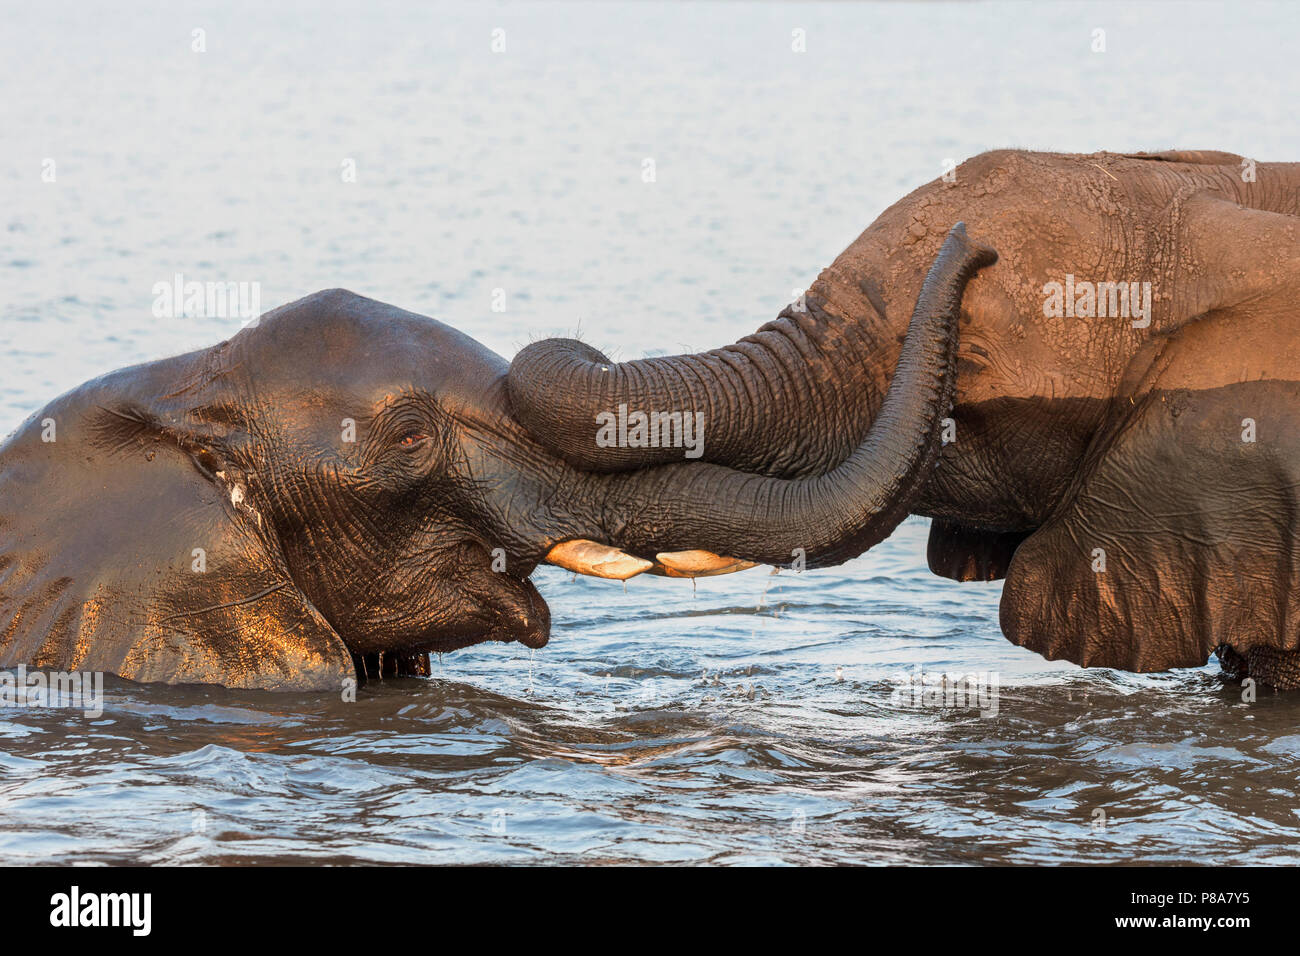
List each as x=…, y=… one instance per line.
x=379, y=665
x=514, y=611
x=522, y=616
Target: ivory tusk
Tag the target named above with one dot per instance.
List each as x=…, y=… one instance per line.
x=598, y=560
x=698, y=564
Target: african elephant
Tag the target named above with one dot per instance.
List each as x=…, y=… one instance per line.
x=340, y=489
x=1125, y=444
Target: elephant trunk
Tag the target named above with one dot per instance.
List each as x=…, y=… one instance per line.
x=811, y=374
x=832, y=517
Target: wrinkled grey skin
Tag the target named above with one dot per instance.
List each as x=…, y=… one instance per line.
x=1101, y=463
x=341, y=489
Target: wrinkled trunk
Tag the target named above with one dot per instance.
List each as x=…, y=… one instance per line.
x=791, y=400
x=832, y=517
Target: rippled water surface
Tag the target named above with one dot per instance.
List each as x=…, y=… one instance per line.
x=754, y=718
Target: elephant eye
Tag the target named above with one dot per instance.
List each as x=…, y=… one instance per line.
x=412, y=438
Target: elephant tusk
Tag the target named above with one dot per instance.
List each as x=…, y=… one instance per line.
x=598, y=560
x=699, y=564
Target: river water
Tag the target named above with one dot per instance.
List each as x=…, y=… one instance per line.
x=752, y=718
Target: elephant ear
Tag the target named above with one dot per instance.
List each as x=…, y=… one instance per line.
x=1180, y=538
x=128, y=546
x=1183, y=530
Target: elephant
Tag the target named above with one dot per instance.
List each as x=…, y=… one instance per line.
x=1124, y=448
x=340, y=489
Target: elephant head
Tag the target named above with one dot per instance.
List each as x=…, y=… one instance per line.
x=1141, y=312
x=341, y=485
